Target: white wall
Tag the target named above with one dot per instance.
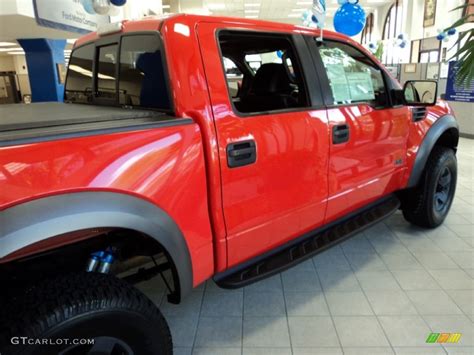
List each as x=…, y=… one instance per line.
x=17, y=7
x=20, y=64
x=7, y=63
x=136, y=9
x=444, y=17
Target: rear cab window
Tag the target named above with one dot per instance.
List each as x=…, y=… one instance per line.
x=128, y=73
x=79, y=75
x=106, y=71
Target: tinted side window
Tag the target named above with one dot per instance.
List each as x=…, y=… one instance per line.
x=142, y=79
x=353, y=77
x=79, y=77
x=272, y=79
x=106, y=71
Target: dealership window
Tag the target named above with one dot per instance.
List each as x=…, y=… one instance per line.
x=430, y=49
x=353, y=77
x=367, y=32
x=391, y=29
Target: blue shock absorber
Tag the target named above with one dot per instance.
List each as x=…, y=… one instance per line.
x=101, y=261
x=94, y=261
x=106, y=262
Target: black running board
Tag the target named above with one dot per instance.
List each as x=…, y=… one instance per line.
x=306, y=246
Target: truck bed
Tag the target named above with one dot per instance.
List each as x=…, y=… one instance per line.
x=22, y=123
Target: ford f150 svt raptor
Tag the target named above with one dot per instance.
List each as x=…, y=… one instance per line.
x=214, y=147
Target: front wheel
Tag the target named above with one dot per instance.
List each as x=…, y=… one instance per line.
x=84, y=313
x=429, y=203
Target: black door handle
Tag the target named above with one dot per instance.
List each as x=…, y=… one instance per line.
x=340, y=134
x=241, y=153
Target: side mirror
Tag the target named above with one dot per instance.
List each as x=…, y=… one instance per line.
x=420, y=92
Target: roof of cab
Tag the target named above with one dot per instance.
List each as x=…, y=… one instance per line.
x=154, y=23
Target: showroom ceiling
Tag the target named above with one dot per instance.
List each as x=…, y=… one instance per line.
x=281, y=10
x=274, y=10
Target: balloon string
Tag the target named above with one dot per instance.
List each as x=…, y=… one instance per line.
x=320, y=39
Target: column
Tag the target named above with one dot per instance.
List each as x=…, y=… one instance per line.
x=45, y=60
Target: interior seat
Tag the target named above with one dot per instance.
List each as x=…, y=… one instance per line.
x=271, y=90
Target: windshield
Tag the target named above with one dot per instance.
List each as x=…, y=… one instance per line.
x=133, y=77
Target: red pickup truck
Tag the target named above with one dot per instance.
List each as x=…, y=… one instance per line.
x=208, y=147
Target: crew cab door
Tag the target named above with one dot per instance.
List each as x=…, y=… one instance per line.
x=368, y=134
x=272, y=135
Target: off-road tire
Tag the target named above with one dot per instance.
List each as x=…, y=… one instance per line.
x=419, y=206
x=84, y=306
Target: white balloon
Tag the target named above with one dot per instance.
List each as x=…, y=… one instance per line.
x=114, y=10
x=101, y=6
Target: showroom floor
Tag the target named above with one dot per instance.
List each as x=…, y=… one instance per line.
x=382, y=292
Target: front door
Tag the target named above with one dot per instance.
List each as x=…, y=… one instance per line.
x=272, y=135
x=368, y=134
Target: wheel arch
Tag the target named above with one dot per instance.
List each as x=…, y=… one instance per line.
x=39, y=220
x=444, y=132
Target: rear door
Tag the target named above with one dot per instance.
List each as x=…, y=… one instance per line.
x=272, y=133
x=368, y=134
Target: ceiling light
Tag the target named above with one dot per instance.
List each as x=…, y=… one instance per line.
x=166, y=6
x=218, y=6
x=298, y=10
x=251, y=11
x=16, y=53
x=11, y=49
x=294, y=15
x=304, y=3
x=252, y=5
x=8, y=44
x=251, y=16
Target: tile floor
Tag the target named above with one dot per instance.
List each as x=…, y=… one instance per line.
x=381, y=292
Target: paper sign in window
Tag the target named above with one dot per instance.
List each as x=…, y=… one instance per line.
x=361, y=87
x=338, y=82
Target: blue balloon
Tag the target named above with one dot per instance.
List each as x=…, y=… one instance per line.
x=118, y=2
x=452, y=31
x=87, y=5
x=440, y=37
x=280, y=54
x=349, y=19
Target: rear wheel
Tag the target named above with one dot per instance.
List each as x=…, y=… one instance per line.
x=84, y=313
x=429, y=203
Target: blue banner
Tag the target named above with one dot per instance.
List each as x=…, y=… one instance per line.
x=456, y=92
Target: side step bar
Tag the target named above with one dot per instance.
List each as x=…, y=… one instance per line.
x=306, y=246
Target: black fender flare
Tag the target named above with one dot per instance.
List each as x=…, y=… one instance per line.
x=443, y=124
x=43, y=218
